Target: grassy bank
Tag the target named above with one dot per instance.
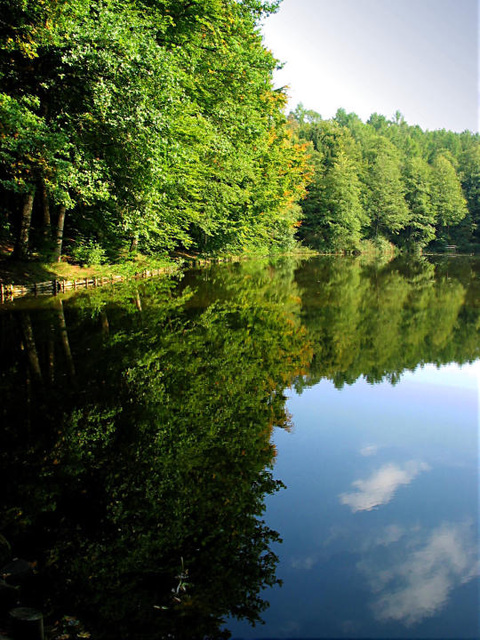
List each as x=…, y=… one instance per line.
x=27, y=272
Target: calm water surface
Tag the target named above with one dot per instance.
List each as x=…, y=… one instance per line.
x=171, y=451
x=379, y=521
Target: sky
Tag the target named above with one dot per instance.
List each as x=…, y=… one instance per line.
x=420, y=57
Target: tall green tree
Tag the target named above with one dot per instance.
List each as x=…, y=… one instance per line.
x=447, y=196
x=334, y=215
x=421, y=228
x=387, y=209
x=470, y=177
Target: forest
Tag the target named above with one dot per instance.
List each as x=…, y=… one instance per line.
x=143, y=124
x=385, y=181
x=154, y=126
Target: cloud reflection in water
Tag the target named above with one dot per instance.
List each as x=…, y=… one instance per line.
x=424, y=571
x=381, y=486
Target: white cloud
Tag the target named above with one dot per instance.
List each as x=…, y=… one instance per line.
x=304, y=564
x=369, y=450
x=392, y=533
x=418, y=584
x=381, y=486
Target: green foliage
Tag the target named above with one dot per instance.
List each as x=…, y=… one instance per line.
x=448, y=198
x=388, y=211
x=154, y=122
x=418, y=181
x=88, y=252
x=333, y=211
x=387, y=179
x=470, y=178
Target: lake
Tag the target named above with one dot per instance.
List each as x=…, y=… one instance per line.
x=285, y=443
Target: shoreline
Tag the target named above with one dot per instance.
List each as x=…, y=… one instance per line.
x=77, y=278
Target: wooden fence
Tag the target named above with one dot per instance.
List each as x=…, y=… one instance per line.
x=9, y=292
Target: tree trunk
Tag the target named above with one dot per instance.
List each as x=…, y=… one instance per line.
x=30, y=348
x=138, y=301
x=64, y=339
x=21, y=250
x=60, y=226
x=51, y=354
x=47, y=222
x=105, y=323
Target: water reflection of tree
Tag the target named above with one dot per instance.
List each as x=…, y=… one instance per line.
x=140, y=488
x=376, y=321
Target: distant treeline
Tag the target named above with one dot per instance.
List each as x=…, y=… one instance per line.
x=142, y=123
x=387, y=181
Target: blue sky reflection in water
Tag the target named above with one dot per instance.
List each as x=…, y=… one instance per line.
x=380, y=515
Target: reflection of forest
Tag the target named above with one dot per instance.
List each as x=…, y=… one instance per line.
x=371, y=321
x=135, y=438
x=136, y=454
